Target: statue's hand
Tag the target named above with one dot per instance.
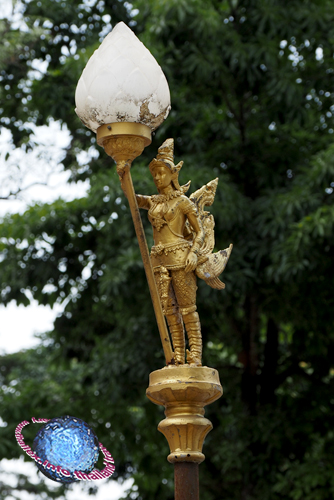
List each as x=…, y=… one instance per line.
x=191, y=262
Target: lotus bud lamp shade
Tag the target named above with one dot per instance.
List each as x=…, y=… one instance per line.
x=122, y=82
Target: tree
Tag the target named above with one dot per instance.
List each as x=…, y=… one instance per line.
x=252, y=103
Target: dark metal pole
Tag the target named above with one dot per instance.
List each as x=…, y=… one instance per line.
x=186, y=482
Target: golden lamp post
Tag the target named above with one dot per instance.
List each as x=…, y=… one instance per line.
x=123, y=96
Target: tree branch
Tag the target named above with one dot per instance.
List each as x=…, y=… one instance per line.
x=13, y=194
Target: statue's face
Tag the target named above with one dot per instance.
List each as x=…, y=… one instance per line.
x=162, y=177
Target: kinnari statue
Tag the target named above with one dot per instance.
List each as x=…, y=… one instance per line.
x=183, y=243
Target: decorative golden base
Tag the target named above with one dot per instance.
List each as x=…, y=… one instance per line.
x=184, y=391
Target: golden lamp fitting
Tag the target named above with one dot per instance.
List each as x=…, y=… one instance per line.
x=124, y=141
x=184, y=390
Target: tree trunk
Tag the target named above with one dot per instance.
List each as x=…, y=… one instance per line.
x=268, y=377
x=250, y=359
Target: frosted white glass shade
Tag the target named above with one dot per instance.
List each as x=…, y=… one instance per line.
x=122, y=82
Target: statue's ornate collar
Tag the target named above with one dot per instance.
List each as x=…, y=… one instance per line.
x=162, y=198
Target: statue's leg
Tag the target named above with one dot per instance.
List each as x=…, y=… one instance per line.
x=172, y=313
x=176, y=329
x=184, y=285
x=193, y=327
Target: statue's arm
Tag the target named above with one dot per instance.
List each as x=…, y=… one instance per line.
x=198, y=228
x=143, y=201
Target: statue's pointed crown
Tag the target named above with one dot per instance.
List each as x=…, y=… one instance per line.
x=165, y=156
x=166, y=151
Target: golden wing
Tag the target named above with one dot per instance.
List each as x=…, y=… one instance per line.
x=210, y=265
x=205, y=197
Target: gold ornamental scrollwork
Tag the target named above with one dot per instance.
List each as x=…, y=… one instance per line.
x=124, y=149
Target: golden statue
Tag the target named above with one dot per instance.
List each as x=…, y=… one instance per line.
x=183, y=243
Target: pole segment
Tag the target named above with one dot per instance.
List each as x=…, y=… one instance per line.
x=128, y=189
x=186, y=481
x=124, y=142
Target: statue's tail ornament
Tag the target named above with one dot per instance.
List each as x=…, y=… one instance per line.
x=213, y=267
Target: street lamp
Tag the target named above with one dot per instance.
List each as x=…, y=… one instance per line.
x=123, y=96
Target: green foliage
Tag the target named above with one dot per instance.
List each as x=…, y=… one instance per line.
x=251, y=85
